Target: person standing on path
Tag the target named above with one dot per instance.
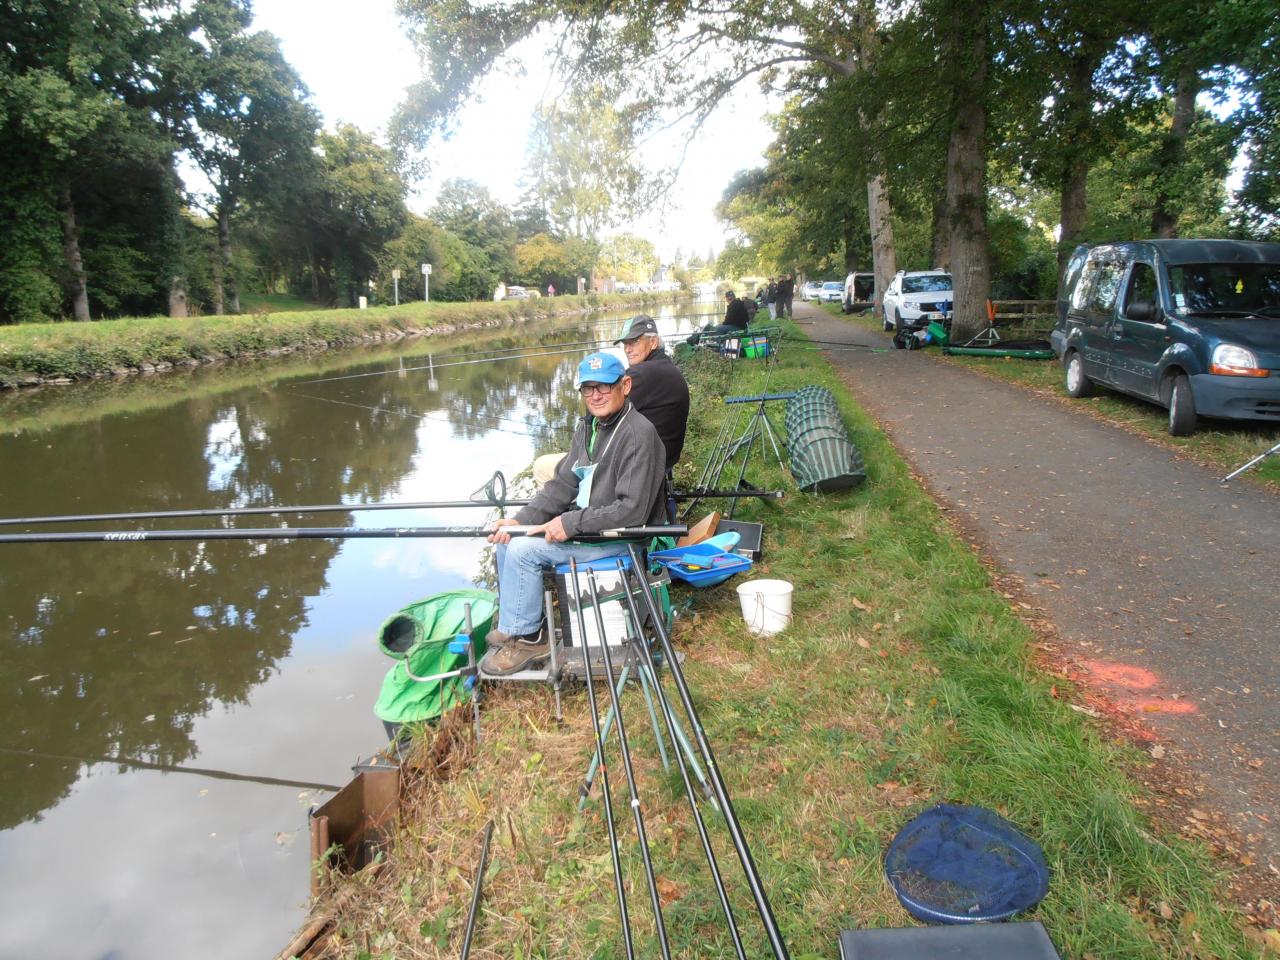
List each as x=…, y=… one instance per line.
x=786, y=293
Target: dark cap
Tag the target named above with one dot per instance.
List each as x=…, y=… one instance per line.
x=640, y=326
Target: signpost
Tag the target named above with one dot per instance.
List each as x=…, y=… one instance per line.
x=426, y=282
x=395, y=281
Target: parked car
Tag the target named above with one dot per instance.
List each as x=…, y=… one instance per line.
x=517, y=293
x=859, y=291
x=916, y=297
x=811, y=290
x=1193, y=325
x=832, y=292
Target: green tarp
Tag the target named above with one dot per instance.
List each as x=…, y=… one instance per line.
x=419, y=635
x=823, y=458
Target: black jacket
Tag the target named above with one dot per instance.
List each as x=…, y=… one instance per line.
x=659, y=391
x=735, y=315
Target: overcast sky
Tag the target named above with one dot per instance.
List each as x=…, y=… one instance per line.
x=356, y=61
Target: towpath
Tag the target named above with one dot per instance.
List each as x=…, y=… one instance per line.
x=1162, y=583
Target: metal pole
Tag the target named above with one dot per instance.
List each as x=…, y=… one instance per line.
x=672, y=728
x=1256, y=460
x=628, y=769
x=717, y=781
x=604, y=767
x=475, y=892
x=326, y=533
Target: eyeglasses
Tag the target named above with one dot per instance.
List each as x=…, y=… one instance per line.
x=596, y=389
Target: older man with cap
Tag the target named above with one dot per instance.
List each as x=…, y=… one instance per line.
x=611, y=477
x=658, y=388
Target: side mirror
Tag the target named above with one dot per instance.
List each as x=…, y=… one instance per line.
x=1143, y=311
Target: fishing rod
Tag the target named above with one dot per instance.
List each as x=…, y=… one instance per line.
x=668, y=714
x=332, y=533
x=352, y=507
x=627, y=767
x=175, y=768
x=763, y=908
x=502, y=353
x=604, y=767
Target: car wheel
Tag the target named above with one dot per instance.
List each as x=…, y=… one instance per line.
x=1182, y=407
x=897, y=320
x=1077, y=382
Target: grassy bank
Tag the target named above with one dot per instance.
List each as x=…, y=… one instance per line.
x=904, y=680
x=31, y=353
x=1221, y=444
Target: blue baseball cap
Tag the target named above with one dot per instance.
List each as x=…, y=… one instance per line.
x=600, y=368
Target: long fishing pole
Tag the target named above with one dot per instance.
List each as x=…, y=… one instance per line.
x=604, y=766
x=717, y=780
x=353, y=507
x=668, y=714
x=633, y=790
x=175, y=768
x=330, y=533
x=500, y=353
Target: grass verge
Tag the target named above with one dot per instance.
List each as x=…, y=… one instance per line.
x=904, y=680
x=36, y=352
x=1221, y=444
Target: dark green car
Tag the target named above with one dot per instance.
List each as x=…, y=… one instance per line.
x=1193, y=325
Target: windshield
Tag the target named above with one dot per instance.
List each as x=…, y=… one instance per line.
x=831, y=285
x=932, y=283
x=1225, y=289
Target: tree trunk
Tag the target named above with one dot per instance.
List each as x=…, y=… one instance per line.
x=71, y=250
x=966, y=169
x=1164, y=218
x=1078, y=106
x=315, y=274
x=230, y=294
x=173, y=237
x=884, y=257
x=941, y=234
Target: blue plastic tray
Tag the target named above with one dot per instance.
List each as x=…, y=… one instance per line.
x=702, y=564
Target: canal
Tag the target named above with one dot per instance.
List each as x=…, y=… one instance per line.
x=171, y=711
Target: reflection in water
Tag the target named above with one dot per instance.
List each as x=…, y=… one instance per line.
x=249, y=657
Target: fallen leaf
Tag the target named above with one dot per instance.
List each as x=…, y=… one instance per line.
x=1158, y=752
x=1164, y=910
x=154, y=633
x=863, y=643
x=1271, y=938
x=282, y=838
x=859, y=604
x=668, y=891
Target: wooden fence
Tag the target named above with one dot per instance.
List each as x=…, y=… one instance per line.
x=1025, y=316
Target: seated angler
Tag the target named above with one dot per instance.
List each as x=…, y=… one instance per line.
x=736, y=320
x=611, y=477
x=658, y=388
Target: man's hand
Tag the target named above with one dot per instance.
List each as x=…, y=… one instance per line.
x=553, y=530
x=499, y=535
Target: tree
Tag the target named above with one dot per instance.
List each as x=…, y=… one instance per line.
x=469, y=212
x=627, y=258
x=251, y=127
x=582, y=170
x=679, y=57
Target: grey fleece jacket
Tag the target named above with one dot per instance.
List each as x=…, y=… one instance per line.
x=626, y=489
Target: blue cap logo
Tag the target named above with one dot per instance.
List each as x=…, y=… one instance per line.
x=600, y=368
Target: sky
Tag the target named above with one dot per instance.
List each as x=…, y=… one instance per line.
x=356, y=61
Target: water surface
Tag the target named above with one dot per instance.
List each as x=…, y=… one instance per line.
x=153, y=695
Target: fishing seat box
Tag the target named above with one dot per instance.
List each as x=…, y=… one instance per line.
x=964, y=941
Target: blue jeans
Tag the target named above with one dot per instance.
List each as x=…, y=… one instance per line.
x=520, y=566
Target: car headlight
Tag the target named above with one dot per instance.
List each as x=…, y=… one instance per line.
x=1231, y=360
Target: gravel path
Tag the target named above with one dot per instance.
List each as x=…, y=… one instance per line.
x=1162, y=583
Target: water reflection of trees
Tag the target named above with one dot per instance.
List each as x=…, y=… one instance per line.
x=98, y=655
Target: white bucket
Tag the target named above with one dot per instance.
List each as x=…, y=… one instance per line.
x=766, y=605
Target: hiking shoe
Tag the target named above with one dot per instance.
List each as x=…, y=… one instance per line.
x=518, y=654
x=495, y=639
